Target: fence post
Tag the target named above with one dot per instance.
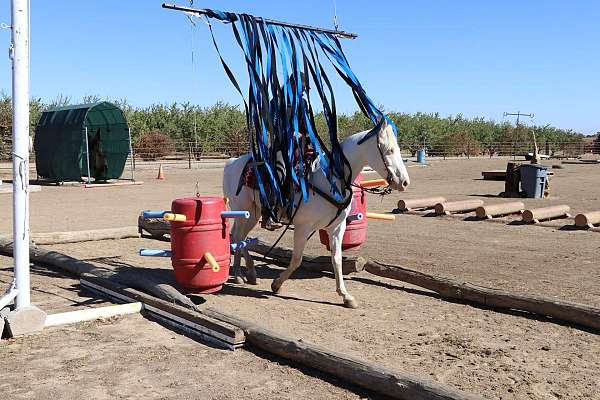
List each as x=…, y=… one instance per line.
x=189, y=155
x=133, y=156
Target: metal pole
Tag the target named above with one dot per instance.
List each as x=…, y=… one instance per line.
x=20, y=118
x=131, y=154
x=204, y=11
x=87, y=156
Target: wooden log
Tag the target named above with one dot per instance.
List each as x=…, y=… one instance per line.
x=581, y=162
x=281, y=256
x=580, y=314
x=389, y=382
x=156, y=227
x=497, y=210
x=457, y=206
x=500, y=175
x=208, y=328
x=161, y=294
x=536, y=215
x=494, y=175
x=416, y=204
x=587, y=220
x=148, y=280
x=85, y=236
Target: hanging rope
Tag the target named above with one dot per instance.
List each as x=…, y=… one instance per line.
x=286, y=74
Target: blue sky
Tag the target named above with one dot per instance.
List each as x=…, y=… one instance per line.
x=477, y=58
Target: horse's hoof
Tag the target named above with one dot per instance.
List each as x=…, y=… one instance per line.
x=238, y=280
x=251, y=278
x=275, y=286
x=350, y=303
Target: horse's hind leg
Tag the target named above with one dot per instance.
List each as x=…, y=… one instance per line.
x=301, y=234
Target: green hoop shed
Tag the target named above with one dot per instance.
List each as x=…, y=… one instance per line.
x=84, y=140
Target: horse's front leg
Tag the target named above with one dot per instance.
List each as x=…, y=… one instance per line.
x=301, y=234
x=236, y=235
x=241, y=229
x=335, y=243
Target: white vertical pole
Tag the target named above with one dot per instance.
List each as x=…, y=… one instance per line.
x=87, y=156
x=131, y=154
x=20, y=121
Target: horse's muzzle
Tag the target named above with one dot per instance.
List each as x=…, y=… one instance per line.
x=400, y=185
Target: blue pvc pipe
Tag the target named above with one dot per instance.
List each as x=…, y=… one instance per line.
x=235, y=214
x=155, y=214
x=355, y=217
x=155, y=253
x=243, y=244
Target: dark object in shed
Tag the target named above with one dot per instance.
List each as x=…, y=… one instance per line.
x=82, y=140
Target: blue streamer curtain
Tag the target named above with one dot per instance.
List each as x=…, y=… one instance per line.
x=285, y=71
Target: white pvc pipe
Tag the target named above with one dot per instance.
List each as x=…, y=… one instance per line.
x=90, y=314
x=131, y=154
x=87, y=156
x=20, y=121
x=8, y=298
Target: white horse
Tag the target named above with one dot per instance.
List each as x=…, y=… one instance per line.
x=380, y=152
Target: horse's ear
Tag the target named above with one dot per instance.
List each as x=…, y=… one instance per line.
x=384, y=126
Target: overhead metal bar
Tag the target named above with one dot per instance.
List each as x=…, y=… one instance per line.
x=203, y=11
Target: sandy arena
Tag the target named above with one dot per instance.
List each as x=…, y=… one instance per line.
x=499, y=355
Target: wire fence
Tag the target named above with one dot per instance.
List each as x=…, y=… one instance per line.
x=189, y=154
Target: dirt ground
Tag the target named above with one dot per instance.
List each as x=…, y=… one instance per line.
x=132, y=357
x=498, y=355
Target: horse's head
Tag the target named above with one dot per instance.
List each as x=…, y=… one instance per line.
x=383, y=155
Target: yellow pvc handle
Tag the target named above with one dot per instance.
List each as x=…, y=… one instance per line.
x=175, y=217
x=385, y=217
x=212, y=262
x=373, y=182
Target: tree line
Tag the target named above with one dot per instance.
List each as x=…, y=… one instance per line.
x=184, y=126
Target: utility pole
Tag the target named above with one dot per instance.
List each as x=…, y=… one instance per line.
x=518, y=114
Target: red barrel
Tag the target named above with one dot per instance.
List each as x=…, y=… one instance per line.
x=356, y=231
x=203, y=231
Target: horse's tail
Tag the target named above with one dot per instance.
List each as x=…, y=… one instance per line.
x=234, y=167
